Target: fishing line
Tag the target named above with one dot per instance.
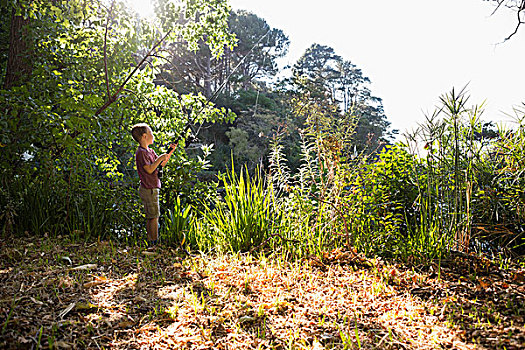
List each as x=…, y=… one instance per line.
x=212, y=97
x=216, y=93
x=223, y=85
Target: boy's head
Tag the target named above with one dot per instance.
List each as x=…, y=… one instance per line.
x=142, y=133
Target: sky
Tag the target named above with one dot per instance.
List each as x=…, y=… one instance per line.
x=413, y=51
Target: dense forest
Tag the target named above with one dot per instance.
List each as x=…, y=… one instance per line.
x=284, y=169
x=87, y=73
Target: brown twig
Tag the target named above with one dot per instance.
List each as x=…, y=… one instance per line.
x=273, y=236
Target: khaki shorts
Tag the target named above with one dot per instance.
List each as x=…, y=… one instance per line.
x=150, y=199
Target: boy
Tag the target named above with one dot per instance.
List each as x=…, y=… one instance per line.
x=147, y=162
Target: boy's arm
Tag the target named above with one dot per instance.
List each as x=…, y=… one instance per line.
x=172, y=148
x=150, y=168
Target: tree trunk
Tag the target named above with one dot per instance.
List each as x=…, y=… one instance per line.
x=227, y=56
x=207, y=78
x=18, y=62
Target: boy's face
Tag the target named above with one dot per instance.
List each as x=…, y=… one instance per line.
x=148, y=136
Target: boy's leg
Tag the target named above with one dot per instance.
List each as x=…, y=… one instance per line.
x=152, y=229
x=150, y=198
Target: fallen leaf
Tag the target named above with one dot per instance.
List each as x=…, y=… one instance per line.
x=519, y=276
x=125, y=324
x=62, y=345
x=84, y=267
x=96, y=282
x=65, y=282
x=139, y=298
x=483, y=285
x=66, y=310
x=85, y=306
x=244, y=319
x=36, y=301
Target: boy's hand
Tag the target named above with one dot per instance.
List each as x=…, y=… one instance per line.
x=168, y=155
x=172, y=148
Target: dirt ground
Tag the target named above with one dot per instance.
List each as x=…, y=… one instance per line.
x=108, y=295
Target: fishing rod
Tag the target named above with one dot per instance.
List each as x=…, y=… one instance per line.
x=208, y=100
x=177, y=140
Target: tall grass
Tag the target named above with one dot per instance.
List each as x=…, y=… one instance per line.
x=445, y=175
x=247, y=217
x=458, y=155
x=179, y=224
x=41, y=206
x=454, y=184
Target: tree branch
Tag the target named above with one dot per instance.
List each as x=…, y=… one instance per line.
x=114, y=97
x=497, y=8
x=105, y=49
x=516, y=29
x=519, y=6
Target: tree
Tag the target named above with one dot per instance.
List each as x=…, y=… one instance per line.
x=516, y=5
x=54, y=132
x=252, y=59
x=238, y=80
x=19, y=65
x=258, y=48
x=316, y=72
x=331, y=90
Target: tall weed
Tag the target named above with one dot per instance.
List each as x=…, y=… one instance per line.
x=179, y=224
x=247, y=218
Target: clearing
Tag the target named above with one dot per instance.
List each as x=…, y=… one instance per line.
x=57, y=294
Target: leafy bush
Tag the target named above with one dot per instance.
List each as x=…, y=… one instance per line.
x=379, y=202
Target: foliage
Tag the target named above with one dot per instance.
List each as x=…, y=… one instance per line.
x=50, y=133
x=178, y=223
x=258, y=49
x=197, y=69
x=378, y=202
x=325, y=81
x=464, y=165
x=246, y=218
x=237, y=81
x=498, y=199
x=401, y=205
x=314, y=170
x=198, y=21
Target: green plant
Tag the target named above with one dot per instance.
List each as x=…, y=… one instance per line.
x=179, y=222
x=247, y=217
x=67, y=164
x=10, y=314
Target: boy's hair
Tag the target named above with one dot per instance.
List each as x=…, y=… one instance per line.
x=138, y=130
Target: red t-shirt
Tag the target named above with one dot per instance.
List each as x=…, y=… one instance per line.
x=145, y=156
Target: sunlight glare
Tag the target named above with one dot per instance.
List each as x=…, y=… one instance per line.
x=144, y=8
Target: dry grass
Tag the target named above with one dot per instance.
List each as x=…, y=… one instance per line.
x=136, y=299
